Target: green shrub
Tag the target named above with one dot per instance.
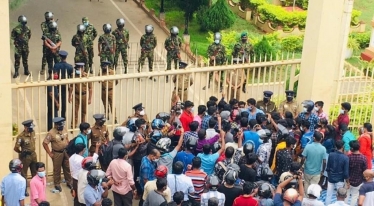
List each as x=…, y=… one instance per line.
x=253, y=4
x=218, y=17
x=355, y=17
x=302, y=4
x=264, y=50
x=363, y=39
x=244, y=4
x=201, y=16
x=292, y=43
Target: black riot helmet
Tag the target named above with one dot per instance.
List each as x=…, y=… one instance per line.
x=107, y=28
x=164, y=116
x=308, y=105
x=174, y=30
x=149, y=29
x=81, y=28
x=248, y=148
x=94, y=177
x=22, y=19
x=52, y=26
x=120, y=23
x=264, y=191
x=48, y=16
x=15, y=165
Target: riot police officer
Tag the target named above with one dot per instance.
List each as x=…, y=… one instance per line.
x=122, y=43
x=148, y=43
x=107, y=45
x=21, y=35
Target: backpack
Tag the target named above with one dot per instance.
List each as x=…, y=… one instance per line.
x=70, y=149
x=107, y=150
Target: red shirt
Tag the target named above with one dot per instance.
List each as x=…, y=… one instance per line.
x=365, y=148
x=342, y=119
x=245, y=201
x=186, y=118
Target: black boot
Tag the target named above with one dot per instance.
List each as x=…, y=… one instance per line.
x=27, y=71
x=125, y=70
x=244, y=88
x=15, y=75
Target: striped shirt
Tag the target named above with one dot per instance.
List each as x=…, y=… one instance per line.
x=198, y=178
x=213, y=193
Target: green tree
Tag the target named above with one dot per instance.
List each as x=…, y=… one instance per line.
x=217, y=18
x=191, y=6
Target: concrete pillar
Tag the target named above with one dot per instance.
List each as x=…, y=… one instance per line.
x=326, y=37
x=5, y=91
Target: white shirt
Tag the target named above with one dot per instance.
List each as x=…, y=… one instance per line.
x=312, y=202
x=206, y=196
x=82, y=184
x=338, y=203
x=75, y=163
x=183, y=183
x=210, y=133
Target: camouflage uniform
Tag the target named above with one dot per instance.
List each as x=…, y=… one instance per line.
x=92, y=33
x=45, y=30
x=219, y=52
x=81, y=42
x=241, y=50
x=122, y=44
x=21, y=36
x=172, y=46
x=53, y=57
x=148, y=43
x=107, y=44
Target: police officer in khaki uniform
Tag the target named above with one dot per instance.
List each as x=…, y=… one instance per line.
x=289, y=104
x=139, y=113
x=107, y=88
x=27, y=155
x=58, y=137
x=182, y=82
x=265, y=104
x=99, y=133
x=80, y=98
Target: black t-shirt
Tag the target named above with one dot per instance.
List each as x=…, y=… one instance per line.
x=230, y=193
x=247, y=174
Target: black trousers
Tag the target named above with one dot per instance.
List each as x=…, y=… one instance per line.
x=122, y=200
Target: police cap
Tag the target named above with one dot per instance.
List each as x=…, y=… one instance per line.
x=138, y=106
x=268, y=94
x=28, y=123
x=105, y=63
x=290, y=93
x=99, y=116
x=79, y=65
x=63, y=53
x=58, y=120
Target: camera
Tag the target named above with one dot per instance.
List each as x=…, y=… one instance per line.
x=176, y=125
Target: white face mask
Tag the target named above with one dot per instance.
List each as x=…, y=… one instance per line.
x=305, y=109
x=316, y=109
x=89, y=131
x=216, y=41
x=142, y=112
x=144, y=127
x=192, y=109
x=41, y=174
x=341, y=111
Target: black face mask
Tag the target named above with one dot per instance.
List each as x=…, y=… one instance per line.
x=60, y=127
x=30, y=130
x=289, y=99
x=101, y=123
x=266, y=100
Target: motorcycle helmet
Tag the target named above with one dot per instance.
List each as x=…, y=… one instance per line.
x=157, y=124
x=15, y=165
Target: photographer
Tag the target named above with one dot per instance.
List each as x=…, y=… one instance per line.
x=290, y=196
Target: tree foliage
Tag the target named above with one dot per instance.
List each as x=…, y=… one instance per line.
x=191, y=6
x=218, y=17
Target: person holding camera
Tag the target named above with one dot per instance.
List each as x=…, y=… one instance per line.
x=291, y=196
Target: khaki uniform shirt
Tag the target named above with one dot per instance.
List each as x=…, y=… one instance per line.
x=267, y=108
x=99, y=134
x=58, y=140
x=26, y=141
x=82, y=87
x=124, y=124
x=182, y=81
x=289, y=106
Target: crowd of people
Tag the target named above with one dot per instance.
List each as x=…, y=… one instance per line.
x=231, y=153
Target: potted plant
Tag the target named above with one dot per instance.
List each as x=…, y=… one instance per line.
x=352, y=46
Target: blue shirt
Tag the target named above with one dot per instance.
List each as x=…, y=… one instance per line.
x=81, y=138
x=314, y=153
x=13, y=188
x=185, y=157
x=205, y=122
x=307, y=138
x=253, y=137
x=312, y=119
x=337, y=167
x=208, y=161
x=347, y=138
x=250, y=116
x=92, y=195
x=329, y=144
x=64, y=68
x=147, y=171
